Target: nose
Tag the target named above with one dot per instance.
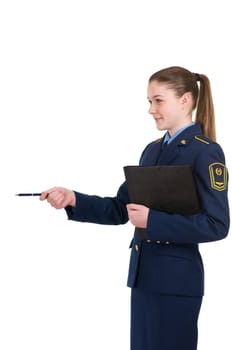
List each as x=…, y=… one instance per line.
x=152, y=109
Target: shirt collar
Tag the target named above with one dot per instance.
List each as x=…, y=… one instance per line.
x=168, y=138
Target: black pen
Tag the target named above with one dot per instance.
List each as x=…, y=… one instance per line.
x=28, y=194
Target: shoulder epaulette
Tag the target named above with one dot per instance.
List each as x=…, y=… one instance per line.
x=158, y=140
x=203, y=139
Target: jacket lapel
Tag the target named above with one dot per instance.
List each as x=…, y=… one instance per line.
x=172, y=151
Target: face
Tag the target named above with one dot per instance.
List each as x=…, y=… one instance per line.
x=169, y=111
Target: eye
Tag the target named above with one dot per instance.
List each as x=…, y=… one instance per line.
x=158, y=100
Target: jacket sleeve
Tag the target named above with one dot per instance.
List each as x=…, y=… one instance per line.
x=213, y=222
x=100, y=210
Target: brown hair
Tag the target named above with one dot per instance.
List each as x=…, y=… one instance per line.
x=181, y=81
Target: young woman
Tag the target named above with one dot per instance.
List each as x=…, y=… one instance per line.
x=166, y=273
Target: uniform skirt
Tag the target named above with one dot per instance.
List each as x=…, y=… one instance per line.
x=163, y=322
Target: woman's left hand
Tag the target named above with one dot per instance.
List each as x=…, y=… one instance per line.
x=138, y=214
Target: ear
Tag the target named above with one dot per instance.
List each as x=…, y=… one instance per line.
x=186, y=99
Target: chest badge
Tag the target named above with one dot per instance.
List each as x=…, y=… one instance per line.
x=218, y=176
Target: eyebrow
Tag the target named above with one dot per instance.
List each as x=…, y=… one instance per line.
x=155, y=96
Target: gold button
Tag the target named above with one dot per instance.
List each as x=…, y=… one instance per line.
x=148, y=241
x=136, y=247
x=158, y=242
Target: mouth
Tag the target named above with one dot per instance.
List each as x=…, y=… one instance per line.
x=157, y=119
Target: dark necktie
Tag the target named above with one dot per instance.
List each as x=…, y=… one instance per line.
x=165, y=144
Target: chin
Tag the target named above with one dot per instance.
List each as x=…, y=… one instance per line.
x=160, y=127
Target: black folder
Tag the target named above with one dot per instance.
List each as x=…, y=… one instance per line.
x=168, y=188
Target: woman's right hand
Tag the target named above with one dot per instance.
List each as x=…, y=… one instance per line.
x=59, y=197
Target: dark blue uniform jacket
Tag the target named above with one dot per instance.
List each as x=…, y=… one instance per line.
x=168, y=260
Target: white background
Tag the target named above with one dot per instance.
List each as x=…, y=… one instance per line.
x=73, y=112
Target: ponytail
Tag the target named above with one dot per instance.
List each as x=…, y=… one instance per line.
x=205, y=108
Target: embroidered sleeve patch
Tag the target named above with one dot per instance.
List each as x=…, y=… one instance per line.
x=218, y=176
